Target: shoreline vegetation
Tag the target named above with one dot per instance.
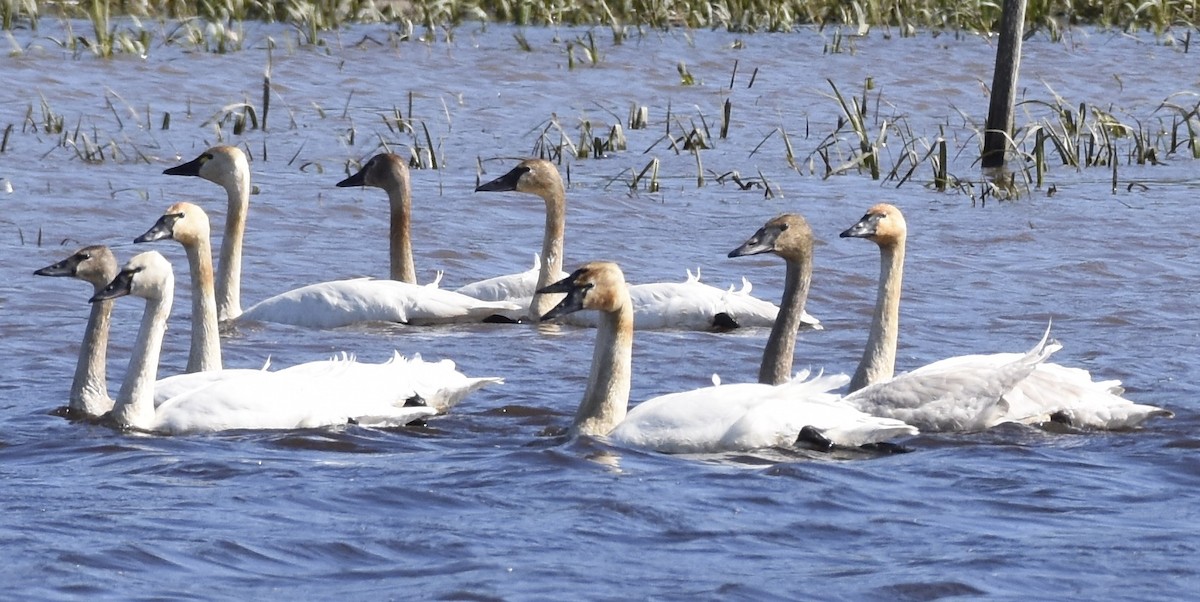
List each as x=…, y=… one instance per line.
x=866, y=139
x=903, y=17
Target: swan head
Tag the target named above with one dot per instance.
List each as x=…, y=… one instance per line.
x=184, y=222
x=598, y=285
x=220, y=164
x=385, y=170
x=788, y=236
x=95, y=264
x=883, y=224
x=147, y=276
x=532, y=176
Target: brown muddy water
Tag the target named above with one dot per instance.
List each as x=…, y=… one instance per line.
x=486, y=503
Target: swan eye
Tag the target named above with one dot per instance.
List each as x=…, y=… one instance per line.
x=783, y=227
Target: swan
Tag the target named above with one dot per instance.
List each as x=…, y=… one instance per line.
x=205, y=351
x=441, y=384
x=227, y=167
x=971, y=392
x=327, y=393
x=97, y=265
x=326, y=304
x=790, y=237
x=389, y=172
x=686, y=305
x=713, y=419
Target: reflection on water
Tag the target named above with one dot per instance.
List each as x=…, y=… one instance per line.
x=491, y=501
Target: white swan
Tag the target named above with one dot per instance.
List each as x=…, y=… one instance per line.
x=687, y=305
x=323, y=394
x=327, y=304
x=712, y=419
x=971, y=392
x=97, y=265
x=439, y=382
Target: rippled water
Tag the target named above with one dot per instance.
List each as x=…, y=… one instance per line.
x=490, y=502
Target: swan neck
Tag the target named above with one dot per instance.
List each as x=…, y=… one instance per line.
x=134, y=407
x=402, y=266
x=229, y=271
x=776, y=365
x=607, y=397
x=205, y=351
x=879, y=358
x=89, y=388
x=552, y=251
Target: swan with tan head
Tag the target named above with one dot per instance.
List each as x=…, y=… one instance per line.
x=686, y=305
x=440, y=382
x=971, y=392
x=97, y=266
x=322, y=394
x=713, y=419
x=327, y=304
x=789, y=237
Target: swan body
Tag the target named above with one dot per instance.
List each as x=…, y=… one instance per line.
x=326, y=393
x=519, y=287
x=96, y=265
x=711, y=419
x=344, y=302
x=976, y=391
x=688, y=305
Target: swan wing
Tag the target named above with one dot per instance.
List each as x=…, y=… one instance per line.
x=962, y=393
x=509, y=287
x=344, y=302
x=693, y=305
x=1070, y=393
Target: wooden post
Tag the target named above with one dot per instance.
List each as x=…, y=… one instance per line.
x=1004, y=83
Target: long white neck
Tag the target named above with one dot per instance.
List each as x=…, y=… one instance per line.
x=879, y=358
x=89, y=389
x=402, y=267
x=607, y=397
x=229, y=273
x=135, y=402
x=776, y=365
x=205, y=352
x=552, y=252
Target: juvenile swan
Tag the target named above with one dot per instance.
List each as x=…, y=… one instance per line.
x=789, y=237
x=687, y=305
x=970, y=392
x=96, y=265
x=388, y=171
x=712, y=419
x=326, y=304
x=324, y=394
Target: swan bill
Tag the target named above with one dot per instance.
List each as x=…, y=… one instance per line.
x=575, y=288
x=763, y=241
x=866, y=227
x=163, y=229
x=358, y=179
x=67, y=267
x=120, y=286
x=191, y=168
x=506, y=182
